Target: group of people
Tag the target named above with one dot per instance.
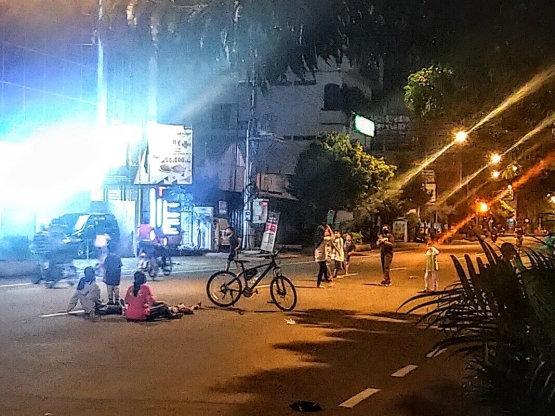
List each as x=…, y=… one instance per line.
x=139, y=303
x=332, y=253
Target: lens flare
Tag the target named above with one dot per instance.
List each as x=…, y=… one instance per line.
x=529, y=174
x=529, y=88
x=411, y=174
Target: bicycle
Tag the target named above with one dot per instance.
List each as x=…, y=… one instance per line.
x=225, y=288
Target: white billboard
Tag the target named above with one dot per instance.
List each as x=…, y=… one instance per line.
x=168, y=159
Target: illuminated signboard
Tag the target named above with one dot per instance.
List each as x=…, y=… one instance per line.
x=164, y=214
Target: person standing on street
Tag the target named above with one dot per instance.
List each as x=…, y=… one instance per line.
x=348, y=249
x=112, y=277
x=321, y=243
x=339, y=254
x=430, y=276
x=234, y=247
x=385, y=243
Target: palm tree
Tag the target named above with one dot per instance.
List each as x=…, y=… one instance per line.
x=502, y=318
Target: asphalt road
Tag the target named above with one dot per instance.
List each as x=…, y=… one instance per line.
x=346, y=347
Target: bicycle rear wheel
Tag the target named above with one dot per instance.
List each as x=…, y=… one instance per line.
x=224, y=288
x=283, y=293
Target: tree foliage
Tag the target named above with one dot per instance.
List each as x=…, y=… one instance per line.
x=335, y=173
x=426, y=91
x=502, y=318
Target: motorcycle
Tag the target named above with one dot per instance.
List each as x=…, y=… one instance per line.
x=151, y=265
x=53, y=273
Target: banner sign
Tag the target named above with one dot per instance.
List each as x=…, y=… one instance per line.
x=168, y=159
x=270, y=231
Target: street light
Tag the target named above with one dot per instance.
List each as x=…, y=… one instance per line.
x=495, y=174
x=461, y=136
x=495, y=158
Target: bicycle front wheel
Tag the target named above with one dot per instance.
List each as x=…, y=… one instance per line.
x=283, y=293
x=224, y=288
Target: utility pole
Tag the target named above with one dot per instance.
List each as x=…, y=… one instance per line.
x=247, y=208
x=102, y=94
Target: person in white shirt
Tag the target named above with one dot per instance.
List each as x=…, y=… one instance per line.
x=87, y=293
x=430, y=276
x=339, y=253
x=321, y=247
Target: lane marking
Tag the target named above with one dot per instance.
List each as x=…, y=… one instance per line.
x=363, y=395
x=16, y=284
x=51, y=315
x=435, y=353
x=404, y=371
x=382, y=319
x=398, y=268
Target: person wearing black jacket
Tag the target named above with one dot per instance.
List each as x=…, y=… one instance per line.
x=112, y=277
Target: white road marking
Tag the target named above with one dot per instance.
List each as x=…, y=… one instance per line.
x=404, y=371
x=363, y=395
x=51, y=315
x=384, y=319
x=398, y=268
x=16, y=284
x=434, y=353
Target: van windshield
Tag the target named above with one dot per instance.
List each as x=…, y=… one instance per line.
x=71, y=222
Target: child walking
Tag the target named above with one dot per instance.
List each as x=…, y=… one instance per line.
x=430, y=277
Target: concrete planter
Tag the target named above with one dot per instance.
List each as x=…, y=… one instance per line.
x=12, y=268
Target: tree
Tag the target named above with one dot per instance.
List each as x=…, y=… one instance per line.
x=426, y=91
x=335, y=173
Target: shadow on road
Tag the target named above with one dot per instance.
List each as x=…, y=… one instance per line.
x=359, y=352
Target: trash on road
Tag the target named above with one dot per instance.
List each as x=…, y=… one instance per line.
x=305, y=406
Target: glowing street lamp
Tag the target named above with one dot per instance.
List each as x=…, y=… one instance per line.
x=495, y=158
x=461, y=136
x=495, y=174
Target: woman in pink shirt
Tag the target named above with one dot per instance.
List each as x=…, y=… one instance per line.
x=140, y=302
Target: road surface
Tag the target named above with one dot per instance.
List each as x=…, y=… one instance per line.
x=346, y=347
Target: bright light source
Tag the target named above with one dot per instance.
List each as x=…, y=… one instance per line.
x=496, y=174
x=552, y=199
x=461, y=136
x=364, y=125
x=482, y=207
x=495, y=158
x=515, y=168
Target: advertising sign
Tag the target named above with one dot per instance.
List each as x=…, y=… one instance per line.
x=269, y=236
x=259, y=211
x=168, y=158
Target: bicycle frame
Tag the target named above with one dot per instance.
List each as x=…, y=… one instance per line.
x=271, y=265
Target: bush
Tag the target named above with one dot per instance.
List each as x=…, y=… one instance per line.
x=502, y=317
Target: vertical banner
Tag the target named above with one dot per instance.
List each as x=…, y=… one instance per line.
x=270, y=232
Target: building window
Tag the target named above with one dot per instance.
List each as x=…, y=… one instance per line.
x=333, y=97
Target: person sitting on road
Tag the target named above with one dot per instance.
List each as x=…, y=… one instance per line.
x=140, y=303
x=87, y=292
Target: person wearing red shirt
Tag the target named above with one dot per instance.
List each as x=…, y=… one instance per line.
x=140, y=303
